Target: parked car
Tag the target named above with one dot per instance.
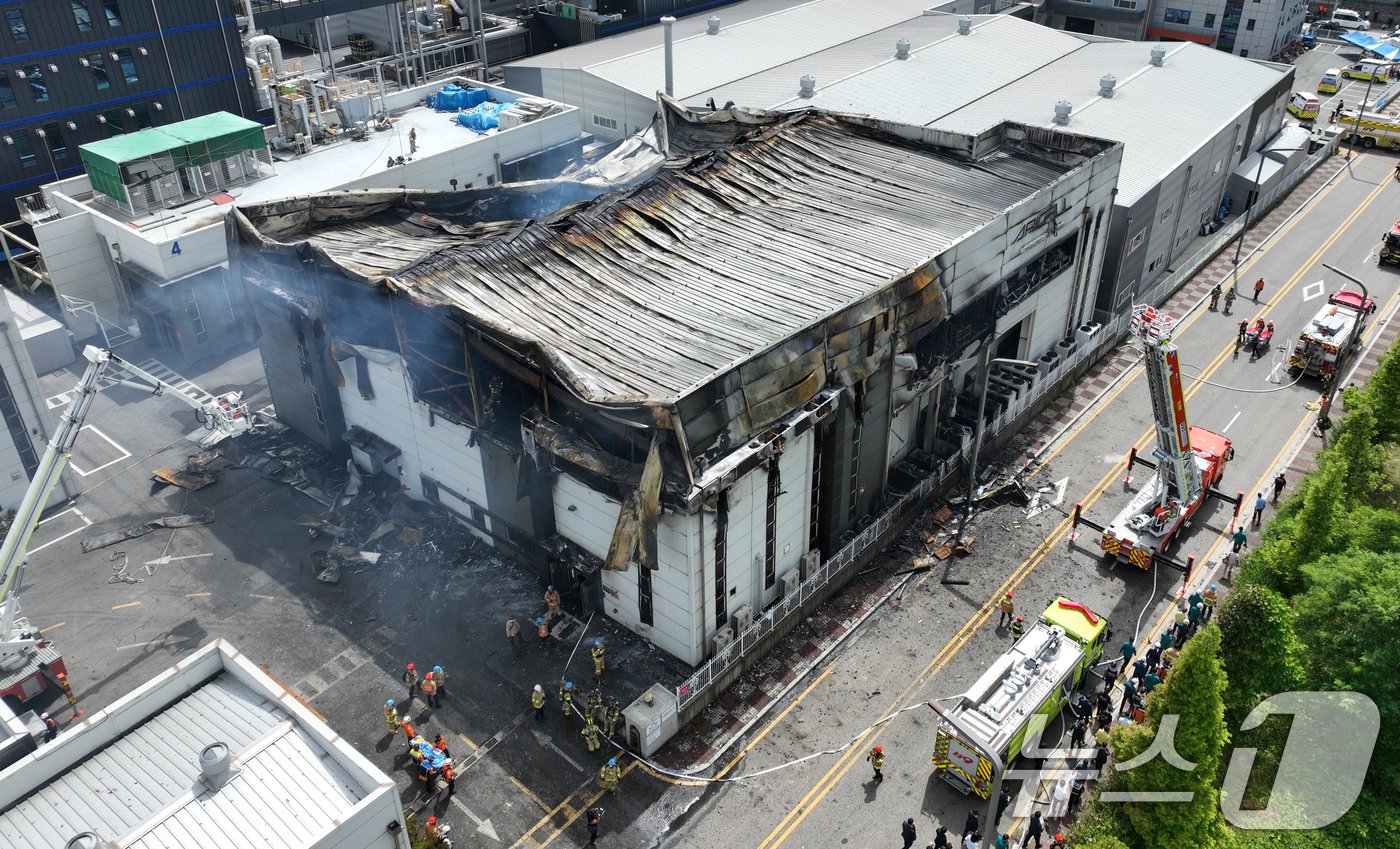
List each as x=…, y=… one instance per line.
x=1349, y=19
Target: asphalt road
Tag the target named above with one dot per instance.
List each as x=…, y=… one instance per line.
x=244, y=578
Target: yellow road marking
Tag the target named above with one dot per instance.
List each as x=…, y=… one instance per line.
x=124, y=606
x=468, y=741
x=528, y=792
x=572, y=813
x=838, y=770
x=54, y=626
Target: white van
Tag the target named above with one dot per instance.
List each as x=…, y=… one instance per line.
x=1347, y=19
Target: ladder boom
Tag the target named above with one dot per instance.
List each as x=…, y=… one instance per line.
x=1178, y=472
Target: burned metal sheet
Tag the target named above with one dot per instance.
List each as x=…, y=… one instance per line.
x=182, y=520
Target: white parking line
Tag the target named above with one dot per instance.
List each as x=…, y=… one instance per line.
x=124, y=453
x=76, y=512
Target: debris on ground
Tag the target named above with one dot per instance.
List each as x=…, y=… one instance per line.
x=182, y=520
x=185, y=480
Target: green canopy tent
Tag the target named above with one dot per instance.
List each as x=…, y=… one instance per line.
x=196, y=142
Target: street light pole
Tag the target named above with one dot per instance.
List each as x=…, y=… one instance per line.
x=1331, y=394
x=1356, y=134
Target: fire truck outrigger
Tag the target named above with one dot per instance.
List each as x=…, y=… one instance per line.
x=1190, y=461
x=29, y=664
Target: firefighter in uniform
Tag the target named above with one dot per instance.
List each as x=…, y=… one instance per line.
x=551, y=598
x=542, y=628
x=391, y=716
x=595, y=705
x=1208, y=600
x=1018, y=627
x=537, y=701
x=613, y=718
x=598, y=658
x=566, y=698
x=608, y=776
x=590, y=734
x=410, y=679
x=877, y=761
x=1008, y=610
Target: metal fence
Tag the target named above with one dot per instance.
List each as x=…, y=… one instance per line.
x=1090, y=346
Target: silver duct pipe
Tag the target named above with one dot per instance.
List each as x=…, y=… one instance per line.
x=667, y=23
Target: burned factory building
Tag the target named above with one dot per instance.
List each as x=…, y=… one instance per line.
x=677, y=379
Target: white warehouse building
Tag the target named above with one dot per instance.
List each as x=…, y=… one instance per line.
x=898, y=61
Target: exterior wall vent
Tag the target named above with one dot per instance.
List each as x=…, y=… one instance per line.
x=713, y=22
x=808, y=85
x=901, y=49
x=965, y=25
x=1159, y=55
x=1062, y=110
x=1106, y=84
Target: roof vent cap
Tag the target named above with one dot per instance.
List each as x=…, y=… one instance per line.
x=86, y=840
x=713, y=22
x=216, y=765
x=901, y=49
x=809, y=86
x=1159, y=55
x=1062, y=110
x=965, y=25
x=1106, y=84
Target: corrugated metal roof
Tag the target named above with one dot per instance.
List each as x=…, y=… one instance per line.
x=144, y=787
x=648, y=294
x=1159, y=113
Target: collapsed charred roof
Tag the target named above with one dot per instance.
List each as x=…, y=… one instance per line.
x=704, y=280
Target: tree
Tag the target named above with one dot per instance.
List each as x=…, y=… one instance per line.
x=1192, y=694
x=1382, y=396
x=1347, y=620
x=1259, y=649
x=1356, y=445
x=1323, y=515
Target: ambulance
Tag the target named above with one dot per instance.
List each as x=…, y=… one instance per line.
x=1304, y=105
x=1369, y=70
x=1330, y=82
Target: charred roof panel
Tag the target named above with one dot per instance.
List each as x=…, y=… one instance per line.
x=761, y=234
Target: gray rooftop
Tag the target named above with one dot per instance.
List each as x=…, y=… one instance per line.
x=134, y=779
x=648, y=294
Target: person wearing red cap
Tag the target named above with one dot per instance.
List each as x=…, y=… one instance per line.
x=877, y=761
x=410, y=678
x=433, y=832
x=1008, y=610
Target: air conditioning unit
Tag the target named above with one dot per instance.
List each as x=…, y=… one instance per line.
x=1087, y=331
x=811, y=562
x=743, y=618
x=723, y=637
x=791, y=580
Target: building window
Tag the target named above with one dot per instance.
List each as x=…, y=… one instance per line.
x=7, y=92
x=1137, y=240
x=604, y=121
x=18, y=432
x=1125, y=4
x=81, y=16
x=142, y=117
x=116, y=121
x=19, y=30
x=1156, y=263
x=1166, y=213
x=1244, y=54
x=53, y=136
x=114, y=13
x=1249, y=25
x=1210, y=21
x=24, y=148
x=1178, y=16
x=721, y=558
x=37, y=88
x=128, y=65
x=1195, y=187
x=644, y=595
x=98, y=66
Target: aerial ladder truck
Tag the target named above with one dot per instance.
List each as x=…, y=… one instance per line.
x=1189, y=461
x=29, y=663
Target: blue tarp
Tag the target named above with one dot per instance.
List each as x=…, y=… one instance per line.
x=454, y=98
x=483, y=117
x=1371, y=44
